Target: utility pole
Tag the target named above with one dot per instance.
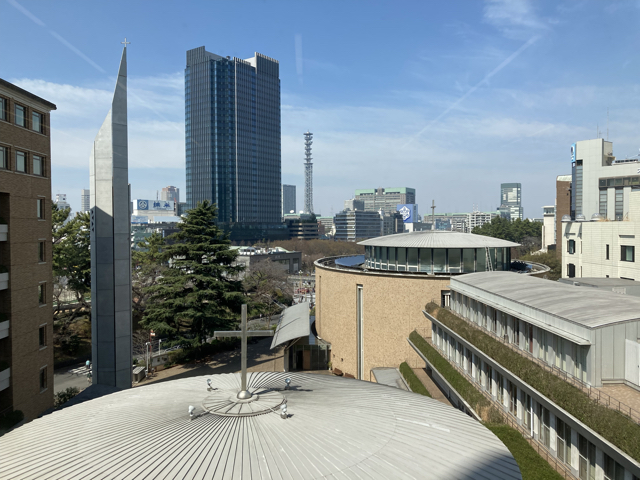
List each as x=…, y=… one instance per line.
x=308, y=173
x=433, y=214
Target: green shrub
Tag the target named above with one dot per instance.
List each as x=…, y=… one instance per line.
x=532, y=466
x=193, y=354
x=9, y=420
x=413, y=381
x=612, y=425
x=64, y=396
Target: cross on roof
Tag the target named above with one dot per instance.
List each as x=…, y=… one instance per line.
x=243, y=334
x=125, y=42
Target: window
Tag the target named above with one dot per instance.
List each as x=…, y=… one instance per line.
x=42, y=294
x=4, y=158
x=21, y=162
x=513, y=399
x=42, y=331
x=527, y=411
x=587, y=462
x=571, y=270
x=37, y=122
x=40, y=208
x=627, y=253
x=607, y=252
x=571, y=246
x=619, y=203
x=21, y=118
x=43, y=379
x=38, y=165
x=545, y=433
x=41, y=252
x=603, y=202
x=542, y=344
x=563, y=441
x=612, y=469
x=3, y=108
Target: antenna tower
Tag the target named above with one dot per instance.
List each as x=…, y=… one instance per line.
x=308, y=173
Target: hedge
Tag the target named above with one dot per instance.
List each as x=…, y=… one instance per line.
x=617, y=428
x=466, y=389
x=532, y=466
x=413, y=381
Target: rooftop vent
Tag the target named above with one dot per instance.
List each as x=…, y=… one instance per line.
x=581, y=218
x=596, y=217
x=566, y=218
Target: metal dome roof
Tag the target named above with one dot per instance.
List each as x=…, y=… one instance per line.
x=338, y=428
x=437, y=239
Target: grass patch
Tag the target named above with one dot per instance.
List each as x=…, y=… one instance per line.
x=413, y=381
x=612, y=425
x=532, y=466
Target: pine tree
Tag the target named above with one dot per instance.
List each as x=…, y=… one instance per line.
x=199, y=292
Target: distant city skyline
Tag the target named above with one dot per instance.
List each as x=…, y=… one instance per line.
x=478, y=95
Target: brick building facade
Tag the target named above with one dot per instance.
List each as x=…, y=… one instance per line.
x=26, y=322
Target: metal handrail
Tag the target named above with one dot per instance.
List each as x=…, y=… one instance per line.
x=593, y=392
x=560, y=467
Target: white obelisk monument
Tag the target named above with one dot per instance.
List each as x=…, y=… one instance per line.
x=110, y=244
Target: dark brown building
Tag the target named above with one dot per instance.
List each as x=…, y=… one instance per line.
x=26, y=321
x=563, y=207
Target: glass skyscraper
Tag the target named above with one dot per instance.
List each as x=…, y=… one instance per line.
x=232, y=127
x=511, y=201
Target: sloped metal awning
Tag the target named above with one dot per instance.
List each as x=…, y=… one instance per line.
x=293, y=324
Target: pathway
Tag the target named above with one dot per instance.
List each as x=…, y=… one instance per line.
x=431, y=386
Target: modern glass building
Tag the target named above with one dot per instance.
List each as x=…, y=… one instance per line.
x=385, y=199
x=232, y=129
x=436, y=252
x=511, y=201
x=288, y=199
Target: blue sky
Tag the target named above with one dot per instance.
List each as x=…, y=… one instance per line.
x=451, y=98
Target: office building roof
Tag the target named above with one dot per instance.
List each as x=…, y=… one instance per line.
x=336, y=428
x=371, y=191
x=437, y=239
x=588, y=307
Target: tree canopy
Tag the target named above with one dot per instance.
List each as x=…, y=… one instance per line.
x=514, y=231
x=199, y=291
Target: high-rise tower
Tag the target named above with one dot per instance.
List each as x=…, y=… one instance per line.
x=308, y=173
x=111, y=244
x=233, y=146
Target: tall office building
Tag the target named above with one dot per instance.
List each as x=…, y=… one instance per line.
x=511, y=201
x=61, y=201
x=288, y=199
x=85, y=200
x=170, y=194
x=385, y=199
x=232, y=128
x=26, y=278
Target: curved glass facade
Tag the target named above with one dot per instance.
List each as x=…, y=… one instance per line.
x=436, y=260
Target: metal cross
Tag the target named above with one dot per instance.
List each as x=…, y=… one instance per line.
x=243, y=334
x=125, y=42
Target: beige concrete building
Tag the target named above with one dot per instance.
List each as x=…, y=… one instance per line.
x=548, y=226
x=367, y=311
x=26, y=325
x=601, y=248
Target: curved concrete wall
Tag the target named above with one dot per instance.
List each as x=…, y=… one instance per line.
x=392, y=308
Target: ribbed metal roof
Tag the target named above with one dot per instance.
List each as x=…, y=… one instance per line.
x=437, y=239
x=590, y=307
x=293, y=324
x=337, y=428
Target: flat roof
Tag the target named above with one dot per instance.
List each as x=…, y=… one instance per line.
x=437, y=239
x=22, y=91
x=336, y=428
x=386, y=190
x=600, y=282
x=585, y=306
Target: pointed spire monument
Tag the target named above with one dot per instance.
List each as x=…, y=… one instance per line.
x=110, y=244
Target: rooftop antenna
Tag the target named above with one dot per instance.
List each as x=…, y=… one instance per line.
x=607, y=124
x=433, y=214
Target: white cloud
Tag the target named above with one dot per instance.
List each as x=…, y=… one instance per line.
x=515, y=18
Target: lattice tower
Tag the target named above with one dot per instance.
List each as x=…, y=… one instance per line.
x=308, y=173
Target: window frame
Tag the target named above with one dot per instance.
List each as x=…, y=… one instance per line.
x=25, y=161
x=624, y=249
x=607, y=252
x=40, y=209
x=43, y=379
x=4, y=163
x=42, y=251
x=33, y=165
x=4, y=109
x=571, y=246
x=42, y=336
x=24, y=115
x=40, y=121
x=42, y=294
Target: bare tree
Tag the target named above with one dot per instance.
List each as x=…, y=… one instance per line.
x=267, y=285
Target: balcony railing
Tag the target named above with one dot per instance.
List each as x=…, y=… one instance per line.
x=594, y=393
